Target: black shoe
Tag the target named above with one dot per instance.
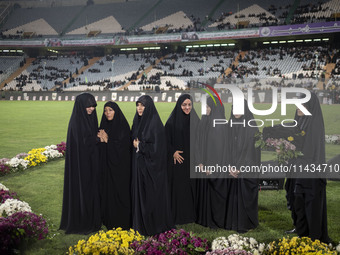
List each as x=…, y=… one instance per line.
x=291, y=231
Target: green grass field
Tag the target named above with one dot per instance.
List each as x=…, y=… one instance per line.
x=26, y=124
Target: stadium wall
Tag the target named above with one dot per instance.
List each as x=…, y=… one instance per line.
x=259, y=96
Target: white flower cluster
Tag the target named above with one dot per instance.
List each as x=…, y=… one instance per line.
x=12, y=206
x=17, y=163
x=3, y=187
x=238, y=242
x=51, y=147
x=335, y=139
x=51, y=152
x=338, y=248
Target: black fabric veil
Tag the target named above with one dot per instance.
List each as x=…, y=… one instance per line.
x=116, y=128
x=150, y=198
x=179, y=124
x=242, y=207
x=115, y=162
x=80, y=212
x=313, y=125
x=312, y=190
x=211, y=141
x=179, y=130
x=243, y=151
x=211, y=150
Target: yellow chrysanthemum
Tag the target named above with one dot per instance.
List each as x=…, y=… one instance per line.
x=35, y=157
x=290, y=138
x=115, y=241
x=297, y=245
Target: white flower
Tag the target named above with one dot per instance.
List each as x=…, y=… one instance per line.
x=235, y=247
x=16, y=163
x=12, y=206
x=261, y=247
x=51, y=153
x=238, y=242
x=338, y=248
x=332, y=138
x=252, y=241
x=3, y=187
x=220, y=243
x=51, y=147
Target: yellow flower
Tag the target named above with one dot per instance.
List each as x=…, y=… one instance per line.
x=302, y=245
x=115, y=241
x=290, y=138
x=303, y=133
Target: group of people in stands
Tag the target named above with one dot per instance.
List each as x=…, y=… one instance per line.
x=315, y=55
x=248, y=66
x=299, y=17
x=311, y=9
x=142, y=178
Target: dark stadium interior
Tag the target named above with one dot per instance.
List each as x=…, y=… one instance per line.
x=103, y=45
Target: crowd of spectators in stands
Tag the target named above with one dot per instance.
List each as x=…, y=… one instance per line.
x=201, y=23
x=19, y=35
x=336, y=70
x=311, y=9
x=264, y=20
x=312, y=55
x=249, y=65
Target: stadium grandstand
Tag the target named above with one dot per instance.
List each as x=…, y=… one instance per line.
x=133, y=46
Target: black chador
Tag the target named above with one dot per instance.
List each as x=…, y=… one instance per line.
x=81, y=208
x=242, y=205
x=179, y=127
x=310, y=193
x=150, y=199
x=211, y=151
x=115, y=162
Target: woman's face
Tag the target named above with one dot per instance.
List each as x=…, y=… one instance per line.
x=237, y=116
x=208, y=110
x=109, y=113
x=186, y=106
x=300, y=113
x=90, y=109
x=140, y=108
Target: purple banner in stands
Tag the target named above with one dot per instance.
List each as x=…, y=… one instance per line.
x=300, y=29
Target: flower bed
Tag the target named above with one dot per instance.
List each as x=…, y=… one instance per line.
x=115, y=241
x=296, y=245
x=118, y=241
x=5, y=194
x=172, y=242
x=236, y=244
x=334, y=139
x=34, y=157
x=17, y=222
x=11, y=206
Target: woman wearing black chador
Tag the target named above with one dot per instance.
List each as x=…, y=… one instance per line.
x=211, y=150
x=180, y=125
x=115, y=167
x=242, y=206
x=151, y=212
x=81, y=208
x=310, y=193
